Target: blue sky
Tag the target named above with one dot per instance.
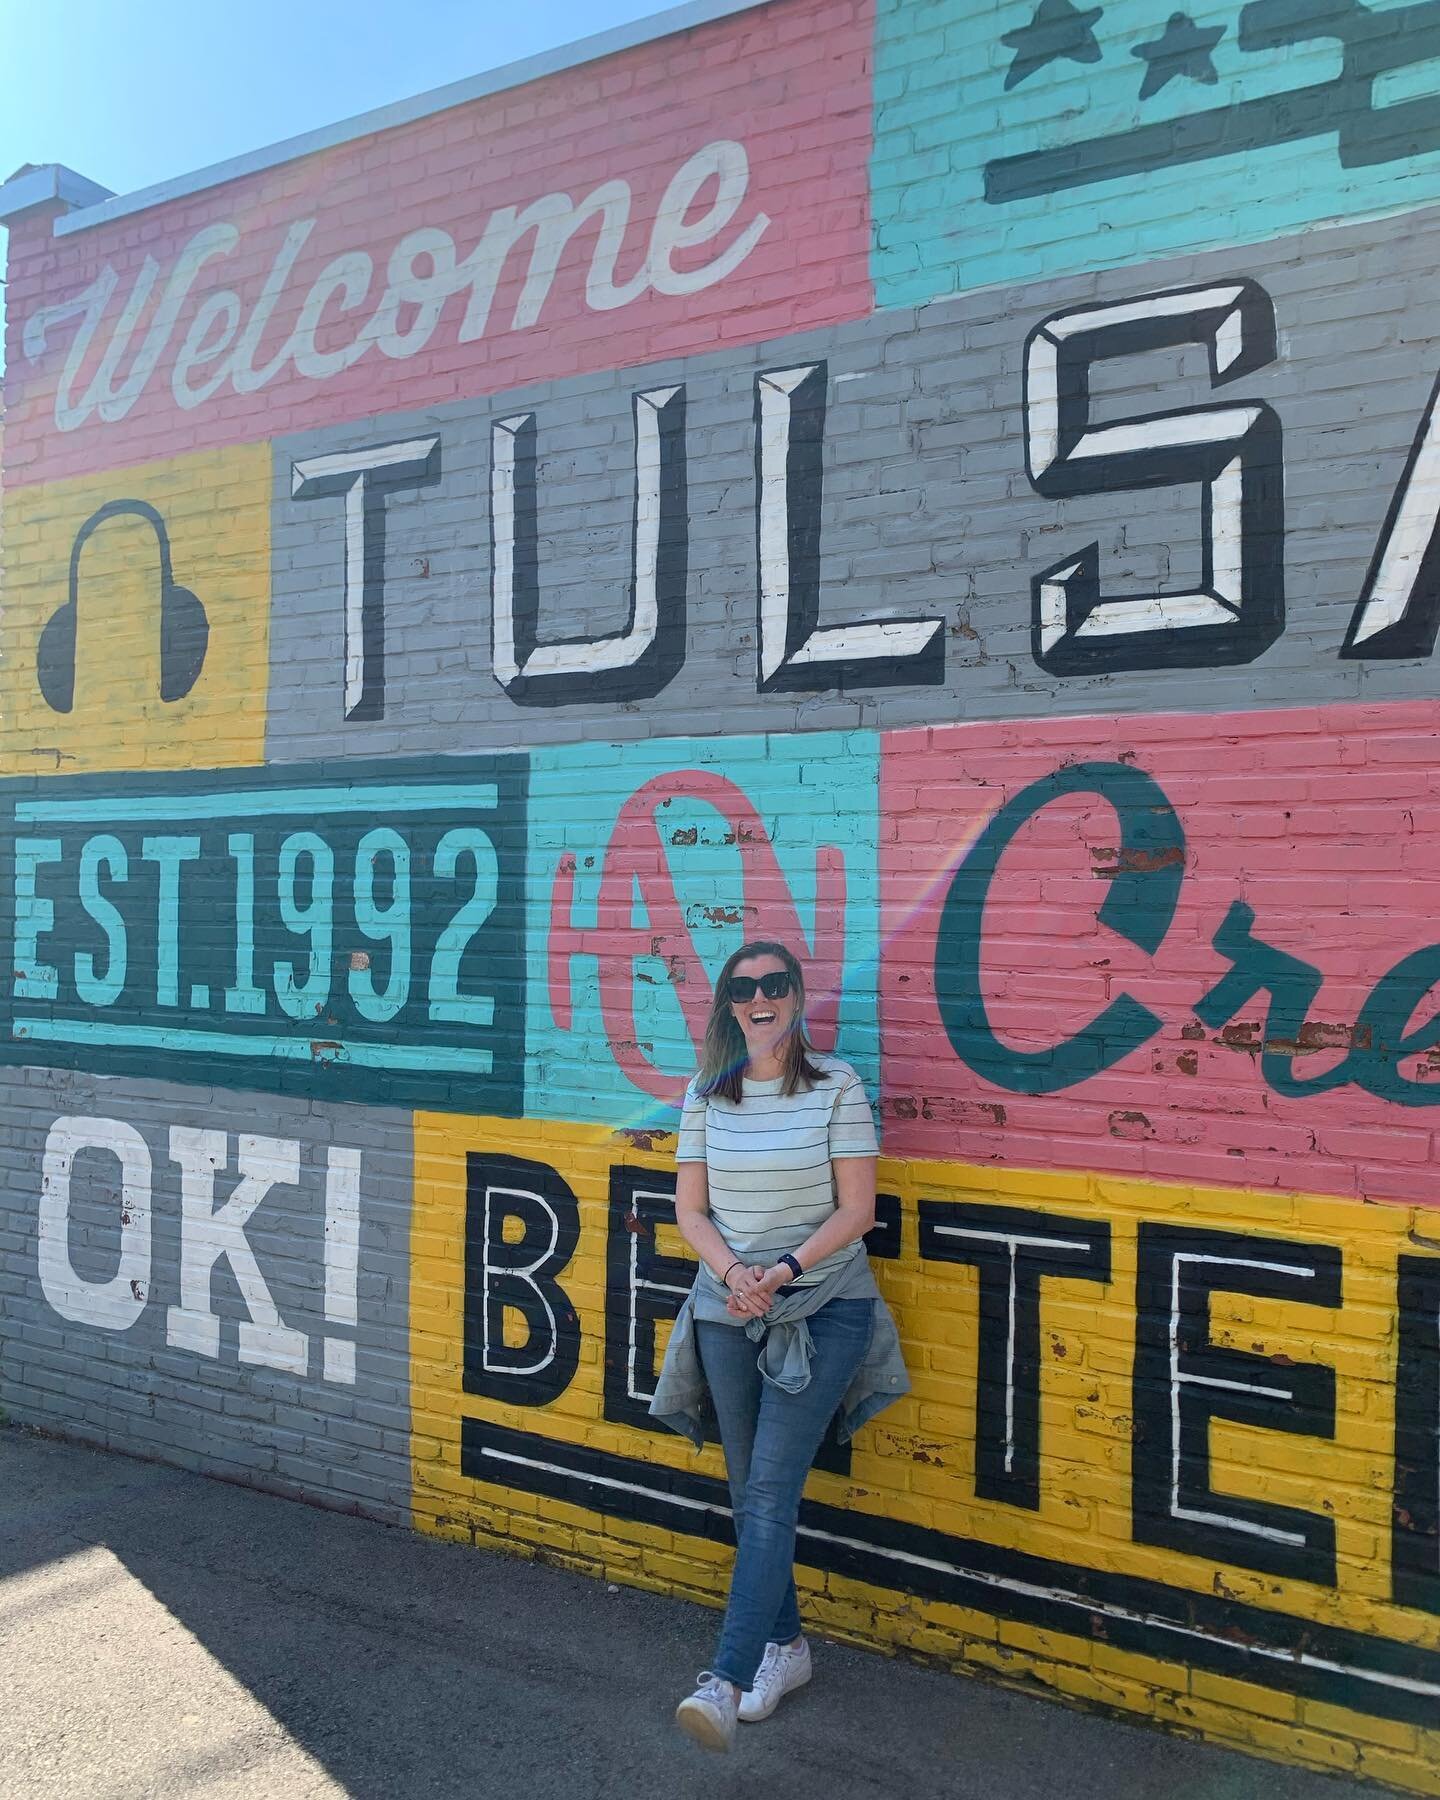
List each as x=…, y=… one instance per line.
x=131, y=94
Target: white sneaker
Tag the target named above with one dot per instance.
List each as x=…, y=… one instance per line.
x=708, y=1715
x=783, y=1668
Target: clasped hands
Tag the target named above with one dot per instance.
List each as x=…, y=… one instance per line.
x=752, y=1291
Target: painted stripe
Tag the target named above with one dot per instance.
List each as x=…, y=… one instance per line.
x=1269, y=1648
x=264, y=802
x=160, y=1037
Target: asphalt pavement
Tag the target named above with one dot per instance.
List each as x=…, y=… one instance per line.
x=162, y=1636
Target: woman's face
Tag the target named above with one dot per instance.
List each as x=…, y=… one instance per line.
x=766, y=1022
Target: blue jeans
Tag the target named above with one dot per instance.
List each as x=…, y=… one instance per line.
x=770, y=1439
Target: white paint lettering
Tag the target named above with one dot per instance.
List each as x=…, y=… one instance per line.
x=244, y=376
x=111, y=402
x=726, y=163
x=427, y=294
x=208, y=1233
x=89, y=307
x=346, y=280
x=116, y=1304
x=224, y=307
x=220, y=338
x=342, y=1258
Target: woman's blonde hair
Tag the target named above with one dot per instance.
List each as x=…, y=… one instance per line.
x=722, y=1056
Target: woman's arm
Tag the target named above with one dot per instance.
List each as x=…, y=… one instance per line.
x=853, y=1216
x=692, y=1217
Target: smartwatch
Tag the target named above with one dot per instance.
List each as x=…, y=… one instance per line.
x=792, y=1265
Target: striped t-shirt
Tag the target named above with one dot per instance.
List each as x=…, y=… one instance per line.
x=767, y=1160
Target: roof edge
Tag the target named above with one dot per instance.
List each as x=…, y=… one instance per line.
x=100, y=206
x=47, y=182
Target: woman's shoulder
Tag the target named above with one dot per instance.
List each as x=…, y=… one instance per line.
x=834, y=1070
x=699, y=1098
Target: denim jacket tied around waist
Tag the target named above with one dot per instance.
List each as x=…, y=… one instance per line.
x=784, y=1349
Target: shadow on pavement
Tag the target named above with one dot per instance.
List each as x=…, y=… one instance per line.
x=356, y=1659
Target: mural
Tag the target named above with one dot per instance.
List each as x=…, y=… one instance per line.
x=1033, y=137
x=136, y=617
x=1120, y=495
x=217, y=1279
x=950, y=490
x=1225, y=1358
x=363, y=479
x=688, y=849
x=355, y=283
x=211, y=950
x=1098, y=948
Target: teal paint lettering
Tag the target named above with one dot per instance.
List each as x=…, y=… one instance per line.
x=107, y=854
x=313, y=921
x=34, y=917
x=1259, y=967
x=168, y=853
x=1379, y=1043
x=388, y=924
x=1381, y=1040
x=1140, y=906
x=168, y=961
x=446, y=1000
x=244, y=997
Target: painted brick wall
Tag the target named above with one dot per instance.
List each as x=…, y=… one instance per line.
x=951, y=485
x=282, y=1359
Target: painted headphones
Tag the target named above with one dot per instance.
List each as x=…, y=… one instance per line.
x=184, y=627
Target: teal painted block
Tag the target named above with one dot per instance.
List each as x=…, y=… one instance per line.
x=1082, y=136
x=351, y=933
x=643, y=877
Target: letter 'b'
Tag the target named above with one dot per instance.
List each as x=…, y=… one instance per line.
x=509, y=1277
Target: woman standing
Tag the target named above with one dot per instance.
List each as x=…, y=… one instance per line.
x=775, y=1190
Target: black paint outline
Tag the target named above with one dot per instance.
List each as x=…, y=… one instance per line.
x=661, y=660
x=1308, y=1409
x=1183, y=1626
x=1415, y=1522
x=1413, y=633
x=804, y=496
x=486, y=1264
x=1258, y=618
x=1007, y=1340
x=376, y=486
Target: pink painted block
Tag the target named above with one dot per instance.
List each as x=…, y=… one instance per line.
x=703, y=189
x=1254, y=1004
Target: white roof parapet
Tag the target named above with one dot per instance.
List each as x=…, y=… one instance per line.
x=45, y=182
x=97, y=205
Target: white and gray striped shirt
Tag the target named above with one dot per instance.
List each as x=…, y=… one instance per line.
x=768, y=1160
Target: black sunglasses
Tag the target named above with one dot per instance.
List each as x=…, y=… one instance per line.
x=774, y=986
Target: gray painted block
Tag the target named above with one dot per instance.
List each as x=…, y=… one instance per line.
x=95, y=1333
x=927, y=510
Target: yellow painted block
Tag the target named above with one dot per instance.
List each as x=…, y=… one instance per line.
x=1343, y=1723
x=995, y=1581
x=1400, y=1771
x=1294, y=1744
x=1244, y=1697
x=168, y=566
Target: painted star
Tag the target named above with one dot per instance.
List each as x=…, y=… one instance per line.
x=1183, y=49
x=1057, y=29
